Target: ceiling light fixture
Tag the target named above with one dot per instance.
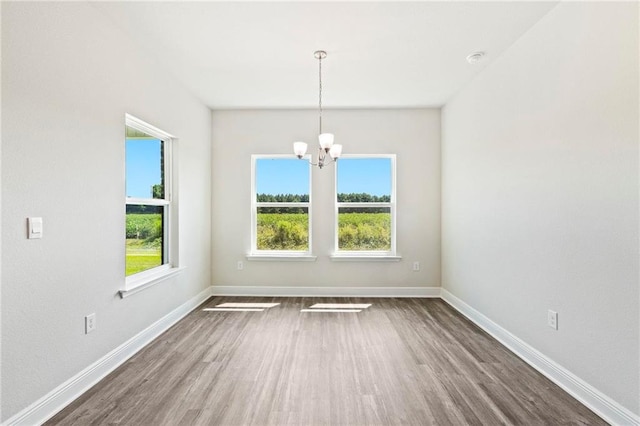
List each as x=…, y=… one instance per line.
x=327, y=147
x=475, y=57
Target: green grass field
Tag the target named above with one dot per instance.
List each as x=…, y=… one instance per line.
x=141, y=257
x=356, y=231
x=144, y=242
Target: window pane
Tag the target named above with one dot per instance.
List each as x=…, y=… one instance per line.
x=282, y=180
x=144, y=165
x=144, y=247
x=362, y=180
x=283, y=228
x=364, y=229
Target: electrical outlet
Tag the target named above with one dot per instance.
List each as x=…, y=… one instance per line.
x=240, y=265
x=89, y=323
x=552, y=319
x=416, y=266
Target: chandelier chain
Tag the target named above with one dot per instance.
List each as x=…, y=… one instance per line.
x=320, y=91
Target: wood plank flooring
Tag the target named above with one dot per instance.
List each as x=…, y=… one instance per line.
x=398, y=362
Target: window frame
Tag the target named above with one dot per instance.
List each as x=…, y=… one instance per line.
x=146, y=278
x=388, y=255
x=255, y=253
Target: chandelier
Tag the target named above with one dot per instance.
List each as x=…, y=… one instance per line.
x=328, y=151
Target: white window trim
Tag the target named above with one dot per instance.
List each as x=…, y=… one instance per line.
x=364, y=256
x=277, y=255
x=145, y=279
x=359, y=256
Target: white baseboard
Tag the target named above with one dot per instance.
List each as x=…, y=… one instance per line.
x=592, y=398
x=326, y=291
x=50, y=404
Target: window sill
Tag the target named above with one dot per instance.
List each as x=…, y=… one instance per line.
x=364, y=257
x=138, y=284
x=282, y=257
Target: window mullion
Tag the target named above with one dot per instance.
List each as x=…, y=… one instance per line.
x=363, y=205
x=148, y=201
x=265, y=204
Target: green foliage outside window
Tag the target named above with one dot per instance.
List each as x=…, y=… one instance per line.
x=364, y=231
x=143, y=240
x=287, y=228
x=356, y=231
x=283, y=231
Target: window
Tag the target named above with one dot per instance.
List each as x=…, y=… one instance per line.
x=281, y=215
x=149, y=206
x=365, y=206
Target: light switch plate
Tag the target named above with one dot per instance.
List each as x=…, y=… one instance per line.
x=552, y=319
x=35, y=227
x=89, y=323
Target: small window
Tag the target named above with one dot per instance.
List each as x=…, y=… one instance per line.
x=148, y=199
x=365, y=205
x=281, y=215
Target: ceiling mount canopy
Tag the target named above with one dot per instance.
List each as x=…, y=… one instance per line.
x=327, y=147
x=319, y=54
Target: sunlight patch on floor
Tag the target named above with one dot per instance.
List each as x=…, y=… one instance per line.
x=341, y=306
x=234, y=309
x=247, y=305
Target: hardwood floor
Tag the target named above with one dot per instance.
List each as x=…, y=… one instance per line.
x=400, y=361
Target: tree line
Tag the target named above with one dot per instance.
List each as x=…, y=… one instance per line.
x=363, y=198
x=304, y=198
x=283, y=198
x=353, y=197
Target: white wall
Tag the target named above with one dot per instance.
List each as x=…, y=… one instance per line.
x=540, y=193
x=414, y=135
x=68, y=78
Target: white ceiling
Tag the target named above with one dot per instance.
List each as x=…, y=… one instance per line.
x=380, y=54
